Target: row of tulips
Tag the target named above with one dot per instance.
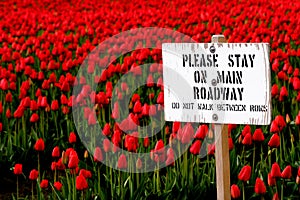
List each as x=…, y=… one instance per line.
x=42, y=49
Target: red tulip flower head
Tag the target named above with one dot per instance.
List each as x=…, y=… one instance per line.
x=259, y=187
x=56, y=152
x=235, y=191
x=287, y=172
x=81, y=183
x=274, y=141
x=33, y=175
x=195, y=148
x=44, y=183
x=72, y=138
x=18, y=169
x=39, y=145
x=98, y=156
x=122, y=162
x=57, y=185
x=245, y=173
x=275, y=170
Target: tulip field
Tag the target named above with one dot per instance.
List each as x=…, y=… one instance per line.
x=70, y=127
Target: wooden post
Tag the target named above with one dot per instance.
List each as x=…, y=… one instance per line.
x=222, y=150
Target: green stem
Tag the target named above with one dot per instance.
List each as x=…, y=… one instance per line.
x=243, y=188
x=32, y=190
x=24, y=132
x=157, y=181
x=74, y=185
x=99, y=189
x=17, y=187
x=111, y=183
x=281, y=195
x=39, y=170
x=269, y=157
x=253, y=162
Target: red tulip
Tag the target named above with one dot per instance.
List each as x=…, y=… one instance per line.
x=53, y=166
x=258, y=135
x=247, y=139
x=137, y=108
x=85, y=173
x=60, y=165
x=139, y=163
x=106, y=129
x=151, y=96
x=235, y=191
x=81, y=183
x=195, y=148
x=247, y=129
x=98, y=156
x=122, y=162
x=135, y=97
x=287, y=172
x=4, y=84
x=271, y=180
x=131, y=143
x=187, y=134
x=245, y=173
x=283, y=93
x=296, y=83
x=152, y=110
x=297, y=120
x=19, y=112
x=231, y=127
x=274, y=141
x=8, y=113
x=201, y=132
x=65, y=110
x=73, y=160
x=63, y=99
x=44, y=184
x=146, y=142
x=160, y=98
x=34, y=118
x=55, y=152
x=33, y=175
x=175, y=127
x=230, y=144
x=170, y=157
x=279, y=119
x=159, y=147
x=39, y=145
x=44, y=102
x=45, y=85
x=259, y=187
x=211, y=149
x=72, y=138
x=92, y=119
x=33, y=105
x=275, y=170
x=54, y=105
x=57, y=185
x=106, y=145
x=8, y=97
x=275, y=196
x=18, y=169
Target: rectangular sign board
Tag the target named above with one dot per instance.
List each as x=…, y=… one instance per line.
x=224, y=83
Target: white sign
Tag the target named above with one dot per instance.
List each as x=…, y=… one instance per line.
x=225, y=83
